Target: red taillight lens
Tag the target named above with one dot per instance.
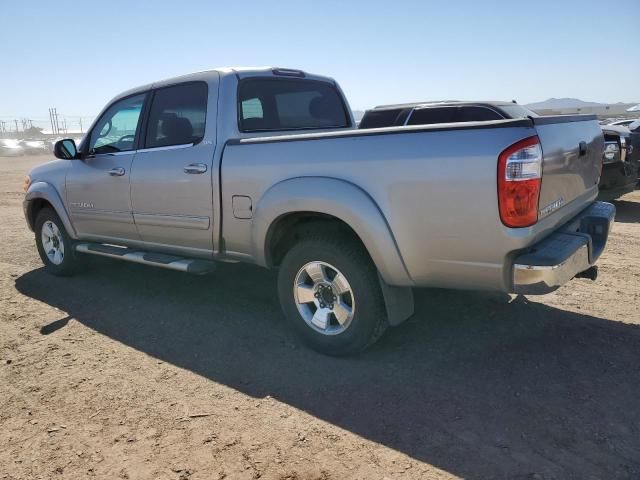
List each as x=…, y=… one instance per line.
x=519, y=180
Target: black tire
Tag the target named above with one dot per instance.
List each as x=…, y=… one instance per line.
x=69, y=264
x=369, y=320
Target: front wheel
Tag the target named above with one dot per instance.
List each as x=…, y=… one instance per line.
x=329, y=292
x=55, y=247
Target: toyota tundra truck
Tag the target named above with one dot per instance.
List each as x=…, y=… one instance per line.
x=266, y=166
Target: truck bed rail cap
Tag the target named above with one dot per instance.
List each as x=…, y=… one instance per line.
x=438, y=127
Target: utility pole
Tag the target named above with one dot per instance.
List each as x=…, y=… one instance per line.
x=53, y=117
x=81, y=132
x=16, y=122
x=53, y=127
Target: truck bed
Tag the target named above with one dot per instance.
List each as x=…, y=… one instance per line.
x=435, y=185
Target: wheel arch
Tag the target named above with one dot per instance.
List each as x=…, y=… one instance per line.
x=326, y=199
x=41, y=195
x=290, y=227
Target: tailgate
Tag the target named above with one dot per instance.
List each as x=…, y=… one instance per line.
x=572, y=148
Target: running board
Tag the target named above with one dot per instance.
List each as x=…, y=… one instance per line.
x=162, y=260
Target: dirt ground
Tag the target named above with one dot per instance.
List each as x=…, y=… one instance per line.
x=132, y=372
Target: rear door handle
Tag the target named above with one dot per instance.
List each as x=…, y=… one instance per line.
x=195, y=168
x=117, y=172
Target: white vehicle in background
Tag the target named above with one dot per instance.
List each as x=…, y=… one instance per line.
x=11, y=148
x=623, y=123
x=35, y=147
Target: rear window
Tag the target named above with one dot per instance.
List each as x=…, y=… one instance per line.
x=478, y=114
x=379, y=118
x=428, y=116
x=271, y=104
x=517, y=111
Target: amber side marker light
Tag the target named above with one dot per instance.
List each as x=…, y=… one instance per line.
x=26, y=184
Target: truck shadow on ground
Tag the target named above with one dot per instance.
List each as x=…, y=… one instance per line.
x=475, y=384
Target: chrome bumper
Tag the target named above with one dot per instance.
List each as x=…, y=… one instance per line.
x=565, y=253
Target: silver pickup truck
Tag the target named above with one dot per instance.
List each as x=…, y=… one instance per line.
x=266, y=166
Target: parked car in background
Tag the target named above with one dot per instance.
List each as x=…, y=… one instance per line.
x=427, y=113
x=620, y=167
x=35, y=146
x=11, y=148
x=620, y=163
x=634, y=140
x=623, y=123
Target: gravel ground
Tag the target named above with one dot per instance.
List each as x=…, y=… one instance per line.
x=131, y=372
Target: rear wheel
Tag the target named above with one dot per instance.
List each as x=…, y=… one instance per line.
x=329, y=292
x=55, y=247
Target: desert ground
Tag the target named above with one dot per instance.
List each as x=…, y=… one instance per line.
x=130, y=372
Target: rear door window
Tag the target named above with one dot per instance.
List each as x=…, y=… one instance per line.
x=177, y=115
x=272, y=104
x=431, y=115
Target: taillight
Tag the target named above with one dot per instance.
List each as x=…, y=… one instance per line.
x=519, y=180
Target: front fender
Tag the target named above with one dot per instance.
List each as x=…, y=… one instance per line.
x=337, y=198
x=46, y=191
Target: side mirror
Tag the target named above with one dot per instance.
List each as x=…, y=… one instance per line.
x=65, y=149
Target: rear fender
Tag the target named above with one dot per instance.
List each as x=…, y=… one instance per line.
x=339, y=199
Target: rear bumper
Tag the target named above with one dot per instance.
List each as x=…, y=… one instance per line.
x=568, y=251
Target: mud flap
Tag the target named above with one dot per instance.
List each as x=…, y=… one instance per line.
x=398, y=302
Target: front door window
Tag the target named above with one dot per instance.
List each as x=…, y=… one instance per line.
x=116, y=129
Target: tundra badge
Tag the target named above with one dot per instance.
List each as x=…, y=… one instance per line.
x=552, y=207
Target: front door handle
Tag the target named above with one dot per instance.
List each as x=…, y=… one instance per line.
x=117, y=172
x=195, y=168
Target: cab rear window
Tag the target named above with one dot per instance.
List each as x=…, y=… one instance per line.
x=273, y=104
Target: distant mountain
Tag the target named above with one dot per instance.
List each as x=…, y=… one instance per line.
x=558, y=103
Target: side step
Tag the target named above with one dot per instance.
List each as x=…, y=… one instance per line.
x=172, y=262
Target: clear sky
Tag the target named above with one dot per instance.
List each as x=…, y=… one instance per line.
x=76, y=55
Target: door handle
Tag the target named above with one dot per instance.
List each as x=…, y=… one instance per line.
x=195, y=168
x=117, y=172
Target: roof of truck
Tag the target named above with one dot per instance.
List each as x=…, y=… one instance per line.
x=241, y=72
